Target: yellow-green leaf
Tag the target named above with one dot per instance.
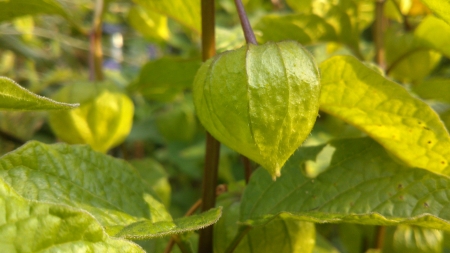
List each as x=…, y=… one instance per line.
x=186, y=12
x=407, y=127
x=440, y=8
x=151, y=25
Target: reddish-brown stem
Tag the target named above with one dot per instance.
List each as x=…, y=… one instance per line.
x=211, y=168
x=246, y=27
x=247, y=168
x=95, y=41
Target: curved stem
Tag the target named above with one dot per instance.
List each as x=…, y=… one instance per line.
x=248, y=31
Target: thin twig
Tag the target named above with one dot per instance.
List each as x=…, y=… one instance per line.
x=11, y=138
x=247, y=168
x=380, y=27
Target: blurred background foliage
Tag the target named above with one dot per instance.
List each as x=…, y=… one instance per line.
x=151, y=52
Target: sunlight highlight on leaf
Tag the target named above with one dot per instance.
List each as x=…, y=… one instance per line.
x=404, y=125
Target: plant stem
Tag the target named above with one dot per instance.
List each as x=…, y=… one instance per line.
x=379, y=240
x=248, y=31
x=211, y=167
x=380, y=27
x=238, y=238
x=95, y=40
x=11, y=138
x=247, y=168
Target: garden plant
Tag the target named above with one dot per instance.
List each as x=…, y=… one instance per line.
x=308, y=126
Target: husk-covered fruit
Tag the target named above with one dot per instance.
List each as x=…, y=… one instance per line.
x=260, y=100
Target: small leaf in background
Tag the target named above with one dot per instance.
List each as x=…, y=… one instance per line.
x=434, y=33
x=186, y=12
x=440, y=7
x=21, y=125
x=259, y=100
x=177, y=121
x=16, y=8
x=165, y=78
x=407, y=127
x=143, y=230
x=29, y=226
x=376, y=191
x=413, y=239
x=110, y=189
x=323, y=245
x=15, y=97
x=154, y=174
x=151, y=25
x=305, y=29
x=103, y=122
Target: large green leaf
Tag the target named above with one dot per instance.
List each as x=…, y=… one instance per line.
x=186, y=12
x=11, y=9
x=404, y=125
x=77, y=176
x=363, y=185
x=440, y=7
x=29, y=226
x=15, y=97
x=143, y=230
x=282, y=234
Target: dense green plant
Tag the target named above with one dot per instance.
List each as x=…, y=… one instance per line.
x=109, y=156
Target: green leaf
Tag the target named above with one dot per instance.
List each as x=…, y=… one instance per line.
x=103, y=122
x=143, y=230
x=413, y=239
x=412, y=56
x=11, y=9
x=440, y=8
x=282, y=234
x=15, y=97
x=110, y=189
x=28, y=226
x=407, y=127
x=186, y=12
x=363, y=186
x=165, y=78
x=151, y=25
